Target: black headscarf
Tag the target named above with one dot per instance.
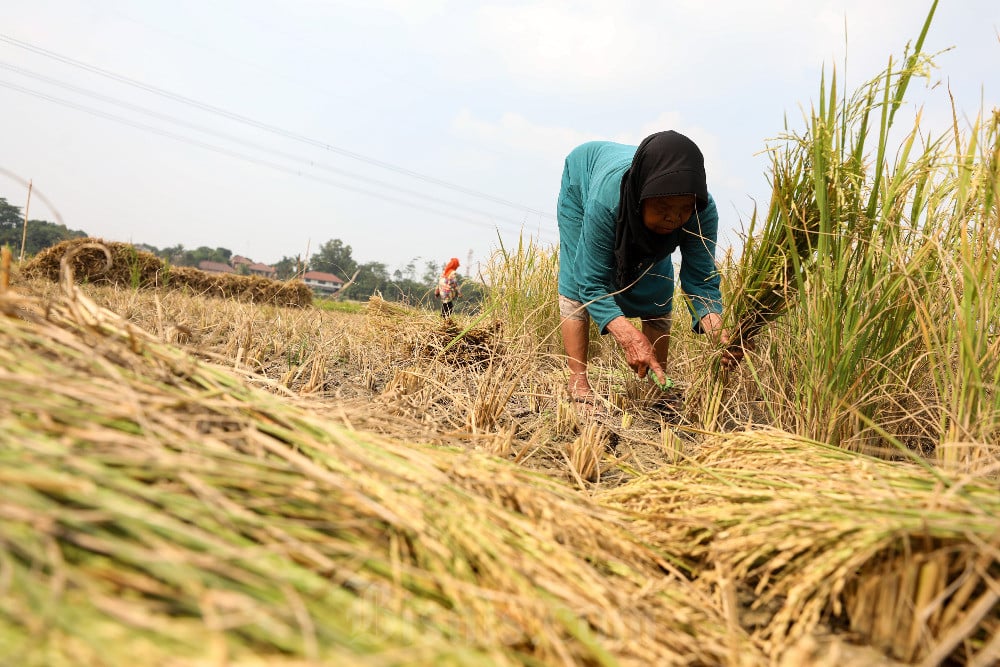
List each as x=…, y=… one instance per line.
x=666, y=163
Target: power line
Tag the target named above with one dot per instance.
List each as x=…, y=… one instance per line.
x=236, y=155
x=235, y=139
x=264, y=126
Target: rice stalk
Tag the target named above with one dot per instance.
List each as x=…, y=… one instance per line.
x=166, y=503
x=820, y=194
x=586, y=452
x=523, y=293
x=493, y=392
x=501, y=444
x=816, y=532
x=882, y=257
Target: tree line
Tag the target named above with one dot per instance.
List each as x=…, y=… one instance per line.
x=41, y=233
x=410, y=284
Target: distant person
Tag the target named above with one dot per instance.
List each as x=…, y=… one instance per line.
x=447, y=288
x=622, y=211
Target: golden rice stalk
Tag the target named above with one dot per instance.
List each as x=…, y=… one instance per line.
x=821, y=192
x=493, y=392
x=501, y=444
x=567, y=421
x=157, y=507
x=378, y=308
x=586, y=451
x=909, y=558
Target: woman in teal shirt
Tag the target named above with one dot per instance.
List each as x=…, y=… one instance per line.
x=622, y=211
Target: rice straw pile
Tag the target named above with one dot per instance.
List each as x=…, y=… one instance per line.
x=159, y=510
x=103, y=262
x=907, y=558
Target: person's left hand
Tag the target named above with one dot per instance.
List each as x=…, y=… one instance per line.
x=711, y=324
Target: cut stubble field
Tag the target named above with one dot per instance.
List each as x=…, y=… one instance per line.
x=208, y=480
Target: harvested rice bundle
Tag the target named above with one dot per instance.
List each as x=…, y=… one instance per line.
x=156, y=507
x=121, y=264
x=101, y=262
x=821, y=192
x=772, y=259
x=908, y=558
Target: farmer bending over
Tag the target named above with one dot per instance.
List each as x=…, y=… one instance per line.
x=622, y=211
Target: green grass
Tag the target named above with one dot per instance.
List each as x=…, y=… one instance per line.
x=334, y=306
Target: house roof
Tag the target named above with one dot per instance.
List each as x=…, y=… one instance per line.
x=320, y=275
x=215, y=267
x=261, y=267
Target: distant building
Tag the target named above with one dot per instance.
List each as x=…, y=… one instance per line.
x=215, y=267
x=262, y=270
x=236, y=260
x=322, y=283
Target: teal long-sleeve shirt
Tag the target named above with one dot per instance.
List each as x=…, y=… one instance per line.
x=587, y=211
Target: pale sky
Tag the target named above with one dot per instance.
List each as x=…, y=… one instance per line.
x=423, y=129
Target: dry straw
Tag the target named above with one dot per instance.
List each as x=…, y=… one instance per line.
x=814, y=534
x=126, y=266
x=586, y=452
x=158, y=508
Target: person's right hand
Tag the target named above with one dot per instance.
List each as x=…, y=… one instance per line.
x=639, y=354
x=711, y=325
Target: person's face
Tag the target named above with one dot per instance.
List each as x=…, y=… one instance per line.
x=663, y=215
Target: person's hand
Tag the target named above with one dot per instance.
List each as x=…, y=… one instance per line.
x=639, y=354
x=711, y=324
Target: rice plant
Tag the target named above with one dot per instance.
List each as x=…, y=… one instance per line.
x=522, y=291
x=879, y=257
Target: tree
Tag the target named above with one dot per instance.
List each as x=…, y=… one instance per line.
x=431, y=271
x=178, y=256
x=204, y=253
x=372, y=277
x=10, y=216
x=410, y=270
x=173, y=254
x=41, y=235
x=286, y=267
x=334, y=257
